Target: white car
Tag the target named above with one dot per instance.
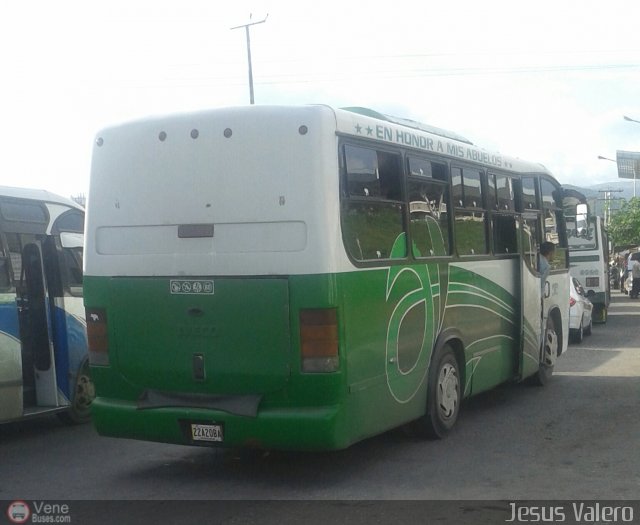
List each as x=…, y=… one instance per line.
x=580, y=309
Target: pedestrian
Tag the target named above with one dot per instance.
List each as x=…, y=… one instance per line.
x=624, y=272
x=635, y=274
x=547, y=251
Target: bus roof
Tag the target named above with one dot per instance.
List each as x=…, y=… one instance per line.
x=369, y=124
x=37, y=195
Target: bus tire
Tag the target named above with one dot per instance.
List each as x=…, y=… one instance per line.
x=443, y=396
x=548, y=355
x=83, y=395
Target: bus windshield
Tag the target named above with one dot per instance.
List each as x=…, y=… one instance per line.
x=583, y=240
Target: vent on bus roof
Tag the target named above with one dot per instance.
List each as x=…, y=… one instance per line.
x=409, y=123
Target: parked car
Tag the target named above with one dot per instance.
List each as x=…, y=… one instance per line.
x=580, y=309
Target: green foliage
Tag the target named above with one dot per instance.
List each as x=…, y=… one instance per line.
x=625, y=224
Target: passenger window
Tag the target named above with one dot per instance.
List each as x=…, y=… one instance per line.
x=505, y=235
x=530, y=241
x=505, y=193
x=373, y=204
x=470, y=217
x=429, y=220
x=554, y=231
x=372, y=230
x=419, y=167
x=472, y=188
x=456, y=187
x=5, y=270
x=470, y=233
x=73, y=262
x=492, y=201
x=550, y=197
x=529, y=194
x=363, y=178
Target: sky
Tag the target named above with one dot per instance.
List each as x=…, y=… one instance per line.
x=547, y=81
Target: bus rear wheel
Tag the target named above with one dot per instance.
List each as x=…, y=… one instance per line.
x=443, y=397
x=83, y=395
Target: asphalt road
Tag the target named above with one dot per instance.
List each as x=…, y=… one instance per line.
x=575, y=439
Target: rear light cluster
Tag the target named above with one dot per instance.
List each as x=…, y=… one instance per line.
x=319, y=340
x=97, y=337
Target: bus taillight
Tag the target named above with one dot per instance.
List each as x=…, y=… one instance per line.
x=97, y=337
x=319, y=340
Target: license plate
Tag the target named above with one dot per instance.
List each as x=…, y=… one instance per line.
x=201, y=432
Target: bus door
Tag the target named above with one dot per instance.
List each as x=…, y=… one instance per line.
x=531, y=296
x=35, y=328
x=10, y=352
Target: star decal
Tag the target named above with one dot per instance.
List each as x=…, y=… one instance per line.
x=358, y=128
x=369, y=130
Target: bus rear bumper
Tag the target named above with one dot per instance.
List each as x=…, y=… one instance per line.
x=299, y=428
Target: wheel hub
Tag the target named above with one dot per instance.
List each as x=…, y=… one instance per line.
x=448, y=391
x=550, y=348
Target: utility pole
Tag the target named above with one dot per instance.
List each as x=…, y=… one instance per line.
x=607, y=204
x=246, y=28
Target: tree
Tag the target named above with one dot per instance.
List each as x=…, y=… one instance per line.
x=625, y=224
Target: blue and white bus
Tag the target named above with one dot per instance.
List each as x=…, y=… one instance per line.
x=43, y=343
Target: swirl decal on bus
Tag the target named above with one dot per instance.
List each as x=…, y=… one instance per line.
x=413, y=326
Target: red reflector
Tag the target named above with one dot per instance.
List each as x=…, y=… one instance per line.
x=572, y=301
x=97, y=337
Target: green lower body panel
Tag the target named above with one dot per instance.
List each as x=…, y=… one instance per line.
x=314, y=428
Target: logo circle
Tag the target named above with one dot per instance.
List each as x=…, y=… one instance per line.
x=18, y=512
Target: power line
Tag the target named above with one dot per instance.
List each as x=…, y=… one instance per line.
x=290, y=78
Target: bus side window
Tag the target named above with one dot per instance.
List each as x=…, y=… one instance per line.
x=429, y=222
x=470, y=215
x=505, y=235
x=373, y=209
x=5, y=276
x=73, y=262
x=554, y=228
x=15, y=255
x=530, y=241
x=506, y=195
x=363, y=175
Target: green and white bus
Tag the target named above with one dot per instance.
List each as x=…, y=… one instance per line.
x=306, y=277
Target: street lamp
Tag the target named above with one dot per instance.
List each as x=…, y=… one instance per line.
x=606, y=192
